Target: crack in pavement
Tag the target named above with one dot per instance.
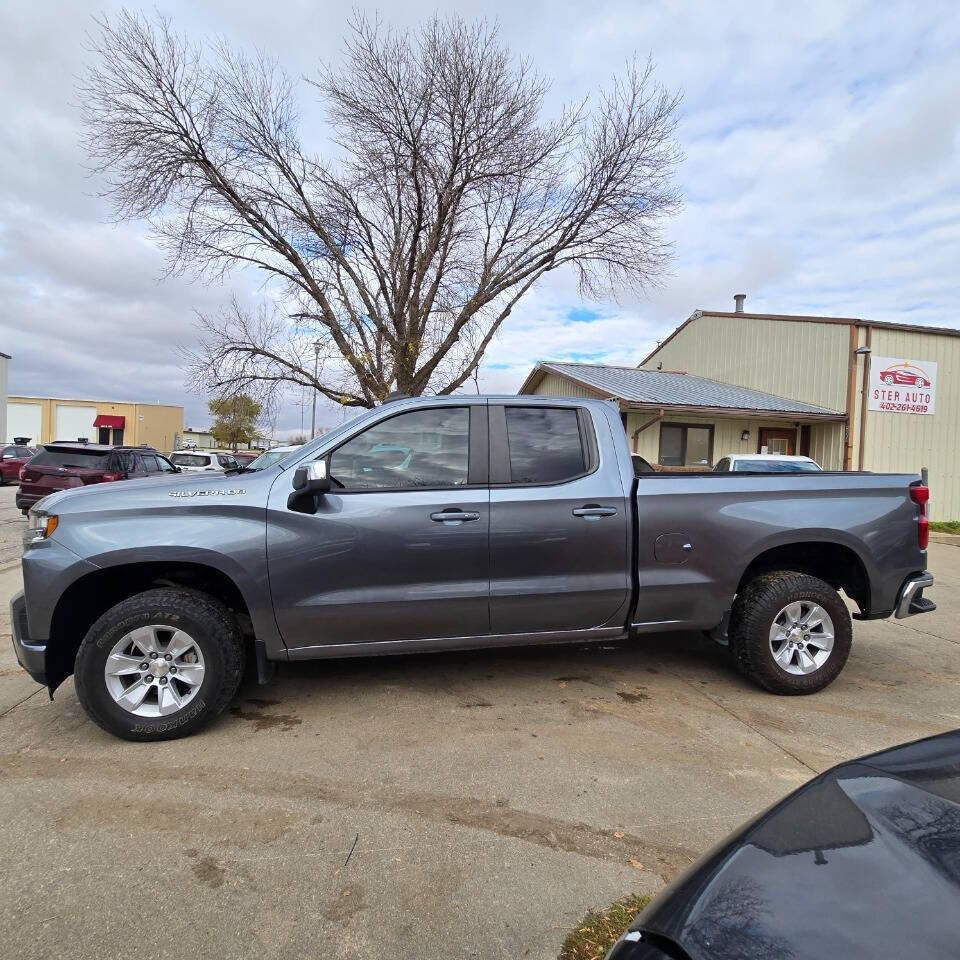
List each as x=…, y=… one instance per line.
x=20, y=702
x=746, y=723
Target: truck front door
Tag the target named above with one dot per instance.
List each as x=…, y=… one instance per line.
x=559, y=521
x=399, y=548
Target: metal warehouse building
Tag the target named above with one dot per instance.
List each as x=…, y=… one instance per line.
x=44, y=419
x=853, y=394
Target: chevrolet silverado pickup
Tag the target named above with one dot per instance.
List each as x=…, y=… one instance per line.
x=451, y=523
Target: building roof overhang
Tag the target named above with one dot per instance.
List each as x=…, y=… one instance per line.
x=598, y=381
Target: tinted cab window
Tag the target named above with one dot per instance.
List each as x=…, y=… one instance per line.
x=545, y=445
x=416, y=450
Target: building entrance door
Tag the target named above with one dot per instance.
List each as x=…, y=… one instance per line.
x=777, y=440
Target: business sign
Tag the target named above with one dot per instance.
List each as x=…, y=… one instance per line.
x=902, y=386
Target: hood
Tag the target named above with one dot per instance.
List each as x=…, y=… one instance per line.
x=861, y=863
x=166, y=488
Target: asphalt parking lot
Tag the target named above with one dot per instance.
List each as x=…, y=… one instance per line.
x=467, y=805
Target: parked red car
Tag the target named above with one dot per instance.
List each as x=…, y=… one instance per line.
x=61, y=466
x=906, y=375
x=13, y=457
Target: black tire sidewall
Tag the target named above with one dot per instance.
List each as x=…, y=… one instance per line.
x=97, y=647
x=769, y=596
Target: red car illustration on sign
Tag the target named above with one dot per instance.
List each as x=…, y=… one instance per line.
x=906, y=374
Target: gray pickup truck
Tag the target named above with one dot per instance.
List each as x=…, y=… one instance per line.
x=450, y=523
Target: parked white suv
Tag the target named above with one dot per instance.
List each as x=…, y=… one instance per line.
x=766, y=463
x=194, y=461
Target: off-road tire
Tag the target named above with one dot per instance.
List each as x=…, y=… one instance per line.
x=210, y=624
x=754, y=610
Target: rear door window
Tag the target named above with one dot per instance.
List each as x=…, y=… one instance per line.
x=150, y=463
x=545, y=444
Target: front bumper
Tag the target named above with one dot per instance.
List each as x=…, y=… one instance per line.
x=31, y=656
x=25, y=501
x=910, y=600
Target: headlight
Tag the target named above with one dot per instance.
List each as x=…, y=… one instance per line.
x=40, y=526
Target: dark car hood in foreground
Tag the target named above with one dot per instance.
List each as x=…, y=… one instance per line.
x=861, y=863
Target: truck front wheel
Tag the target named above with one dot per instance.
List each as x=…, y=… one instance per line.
x=159, y=665
x=790, y=632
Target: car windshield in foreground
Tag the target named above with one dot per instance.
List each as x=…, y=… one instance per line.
x=88, y=459
x=267, y=459
x=190, y=460
x=776, y=466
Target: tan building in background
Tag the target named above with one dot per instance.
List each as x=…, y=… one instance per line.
x=45, y=419
x=853, y=394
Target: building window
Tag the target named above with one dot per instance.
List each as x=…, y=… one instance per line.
x=686, y=445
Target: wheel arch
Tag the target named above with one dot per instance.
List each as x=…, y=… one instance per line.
x=837, y=564
x=92, y=594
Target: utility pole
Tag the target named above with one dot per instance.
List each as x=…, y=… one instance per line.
x=313, y=413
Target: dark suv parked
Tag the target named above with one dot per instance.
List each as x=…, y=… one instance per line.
x=61, y=466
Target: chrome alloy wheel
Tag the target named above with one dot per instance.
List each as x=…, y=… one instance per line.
x=154, y=671
x=801, y=638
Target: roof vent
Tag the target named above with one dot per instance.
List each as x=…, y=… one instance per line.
x=738, y=299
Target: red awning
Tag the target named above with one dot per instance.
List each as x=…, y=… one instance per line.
x=116, y=422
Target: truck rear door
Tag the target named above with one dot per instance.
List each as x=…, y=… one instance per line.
x=559, y=521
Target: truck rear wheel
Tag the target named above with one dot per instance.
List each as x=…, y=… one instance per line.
x=790, y=632
x=159, y=665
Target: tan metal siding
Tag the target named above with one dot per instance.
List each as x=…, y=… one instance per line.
x=826, y=444
x=751, y=352
x=553, y=386
x=898, y=442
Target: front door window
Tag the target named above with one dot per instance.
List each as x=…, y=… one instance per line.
x=421, y=449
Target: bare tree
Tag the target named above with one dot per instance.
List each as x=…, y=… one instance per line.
x=445, y=197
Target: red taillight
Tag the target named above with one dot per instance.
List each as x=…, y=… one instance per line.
x=920, y=495
x=111, y=476
x=23, y=471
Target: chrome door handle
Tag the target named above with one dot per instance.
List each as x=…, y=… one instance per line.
x=452, y=515
x=593, y=511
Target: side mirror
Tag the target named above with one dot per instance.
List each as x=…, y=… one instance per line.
x=309, y=482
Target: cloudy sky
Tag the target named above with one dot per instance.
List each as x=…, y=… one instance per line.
x=822, y=175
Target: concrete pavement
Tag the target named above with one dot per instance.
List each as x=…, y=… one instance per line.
x=468, y=805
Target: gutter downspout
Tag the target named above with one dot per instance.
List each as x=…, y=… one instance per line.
x=864, y=397
x=643, y=426
x=851, y=394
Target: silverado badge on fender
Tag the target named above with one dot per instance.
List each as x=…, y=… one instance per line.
x=231, y=492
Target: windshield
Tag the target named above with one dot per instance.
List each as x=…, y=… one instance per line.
x=268, y=459
x=776, y=466
x=190, y=460
x=52, y=457
x=352, y=423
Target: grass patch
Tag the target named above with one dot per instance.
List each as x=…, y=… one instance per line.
x=945, y=526
x=600, y=929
